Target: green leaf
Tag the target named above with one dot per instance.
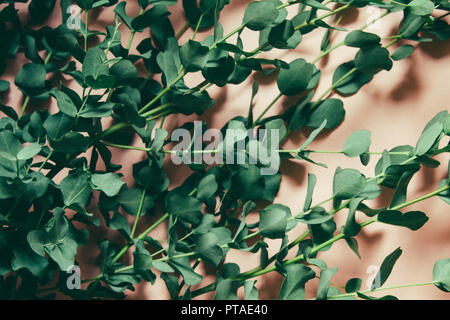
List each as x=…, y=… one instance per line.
x=124, y=72
x=143, y=262
x=184, y=207
x=316, y=216
x=31, y=79
x=98, y=110
x=260, y=14
x=273, y=221
x=428, y=139
x=446, y=125
x=150, y=17
x=182, y=265
x=193, y=56
x=373, y=59
x=441, y=274
x=421, y=7
x=386, y=269
x=402, y=52
x=75, y=189
x=208, y=249
x=331, y=110
x=128, y=201
x=399, y=196
x=413, y=220
x=295, y=79
x=280, y=34
x=65, y=104
x=293, y=286
x=251, y=292
x=207, y=187
x=348, y=183
x=353, y=285
x=324, y=283
x=121, y=12
x=109, y=183
x=357, y=144
x=36, y=239
x=361, y=39
x=352, y=83
x=29, y=152
x=312, y=179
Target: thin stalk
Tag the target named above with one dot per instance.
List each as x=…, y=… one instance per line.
x=182, y=30
x=133, y=32
x=46, y=160
x=354, y=294
x=198, y=26
x=86, y=30
x=267, y=108
x=141, y=205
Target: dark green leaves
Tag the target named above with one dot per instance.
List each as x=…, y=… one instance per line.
x=428, y=138
x=186, y=208
x=150, y=17
x=348, y=183
x=413, y=220
x=109, y=183
x=403, y=52
x=260, y=14
x=331, y=110
x=31, y=79
x=295, y=79
x=361, y=39
x=75, y=189
x=96, y=71
x=293, y=286
x=193, y=56
x=421, y=7
x=357, y=144
x=373, y=59
x=350, y=80
x=65, y=104
x=386, y=269
x=441, y=274
x=58, y=242
x=273, y=221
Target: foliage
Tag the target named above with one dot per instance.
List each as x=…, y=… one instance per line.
x=44, y=223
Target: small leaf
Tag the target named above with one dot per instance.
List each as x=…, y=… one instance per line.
x=293, y=286
x=428, y=139
x=441, y=274
x=273, y=221
x=403, y=52
x=348, y=183
x=29, y=152
x=295, y=79
x=361, y=39
x=331, y=110
x=193, y=56
x=260, y=14
x=357, y=144
x=421, y=7
x=353, y=285
x=413, y=220
x=386, y=269
x=109, y=183
x=65, y=104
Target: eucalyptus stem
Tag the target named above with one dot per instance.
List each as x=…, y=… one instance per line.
x=354, y=294
x=182, y=30
x=139, y=212
x=86, y=30
x=198, y=26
